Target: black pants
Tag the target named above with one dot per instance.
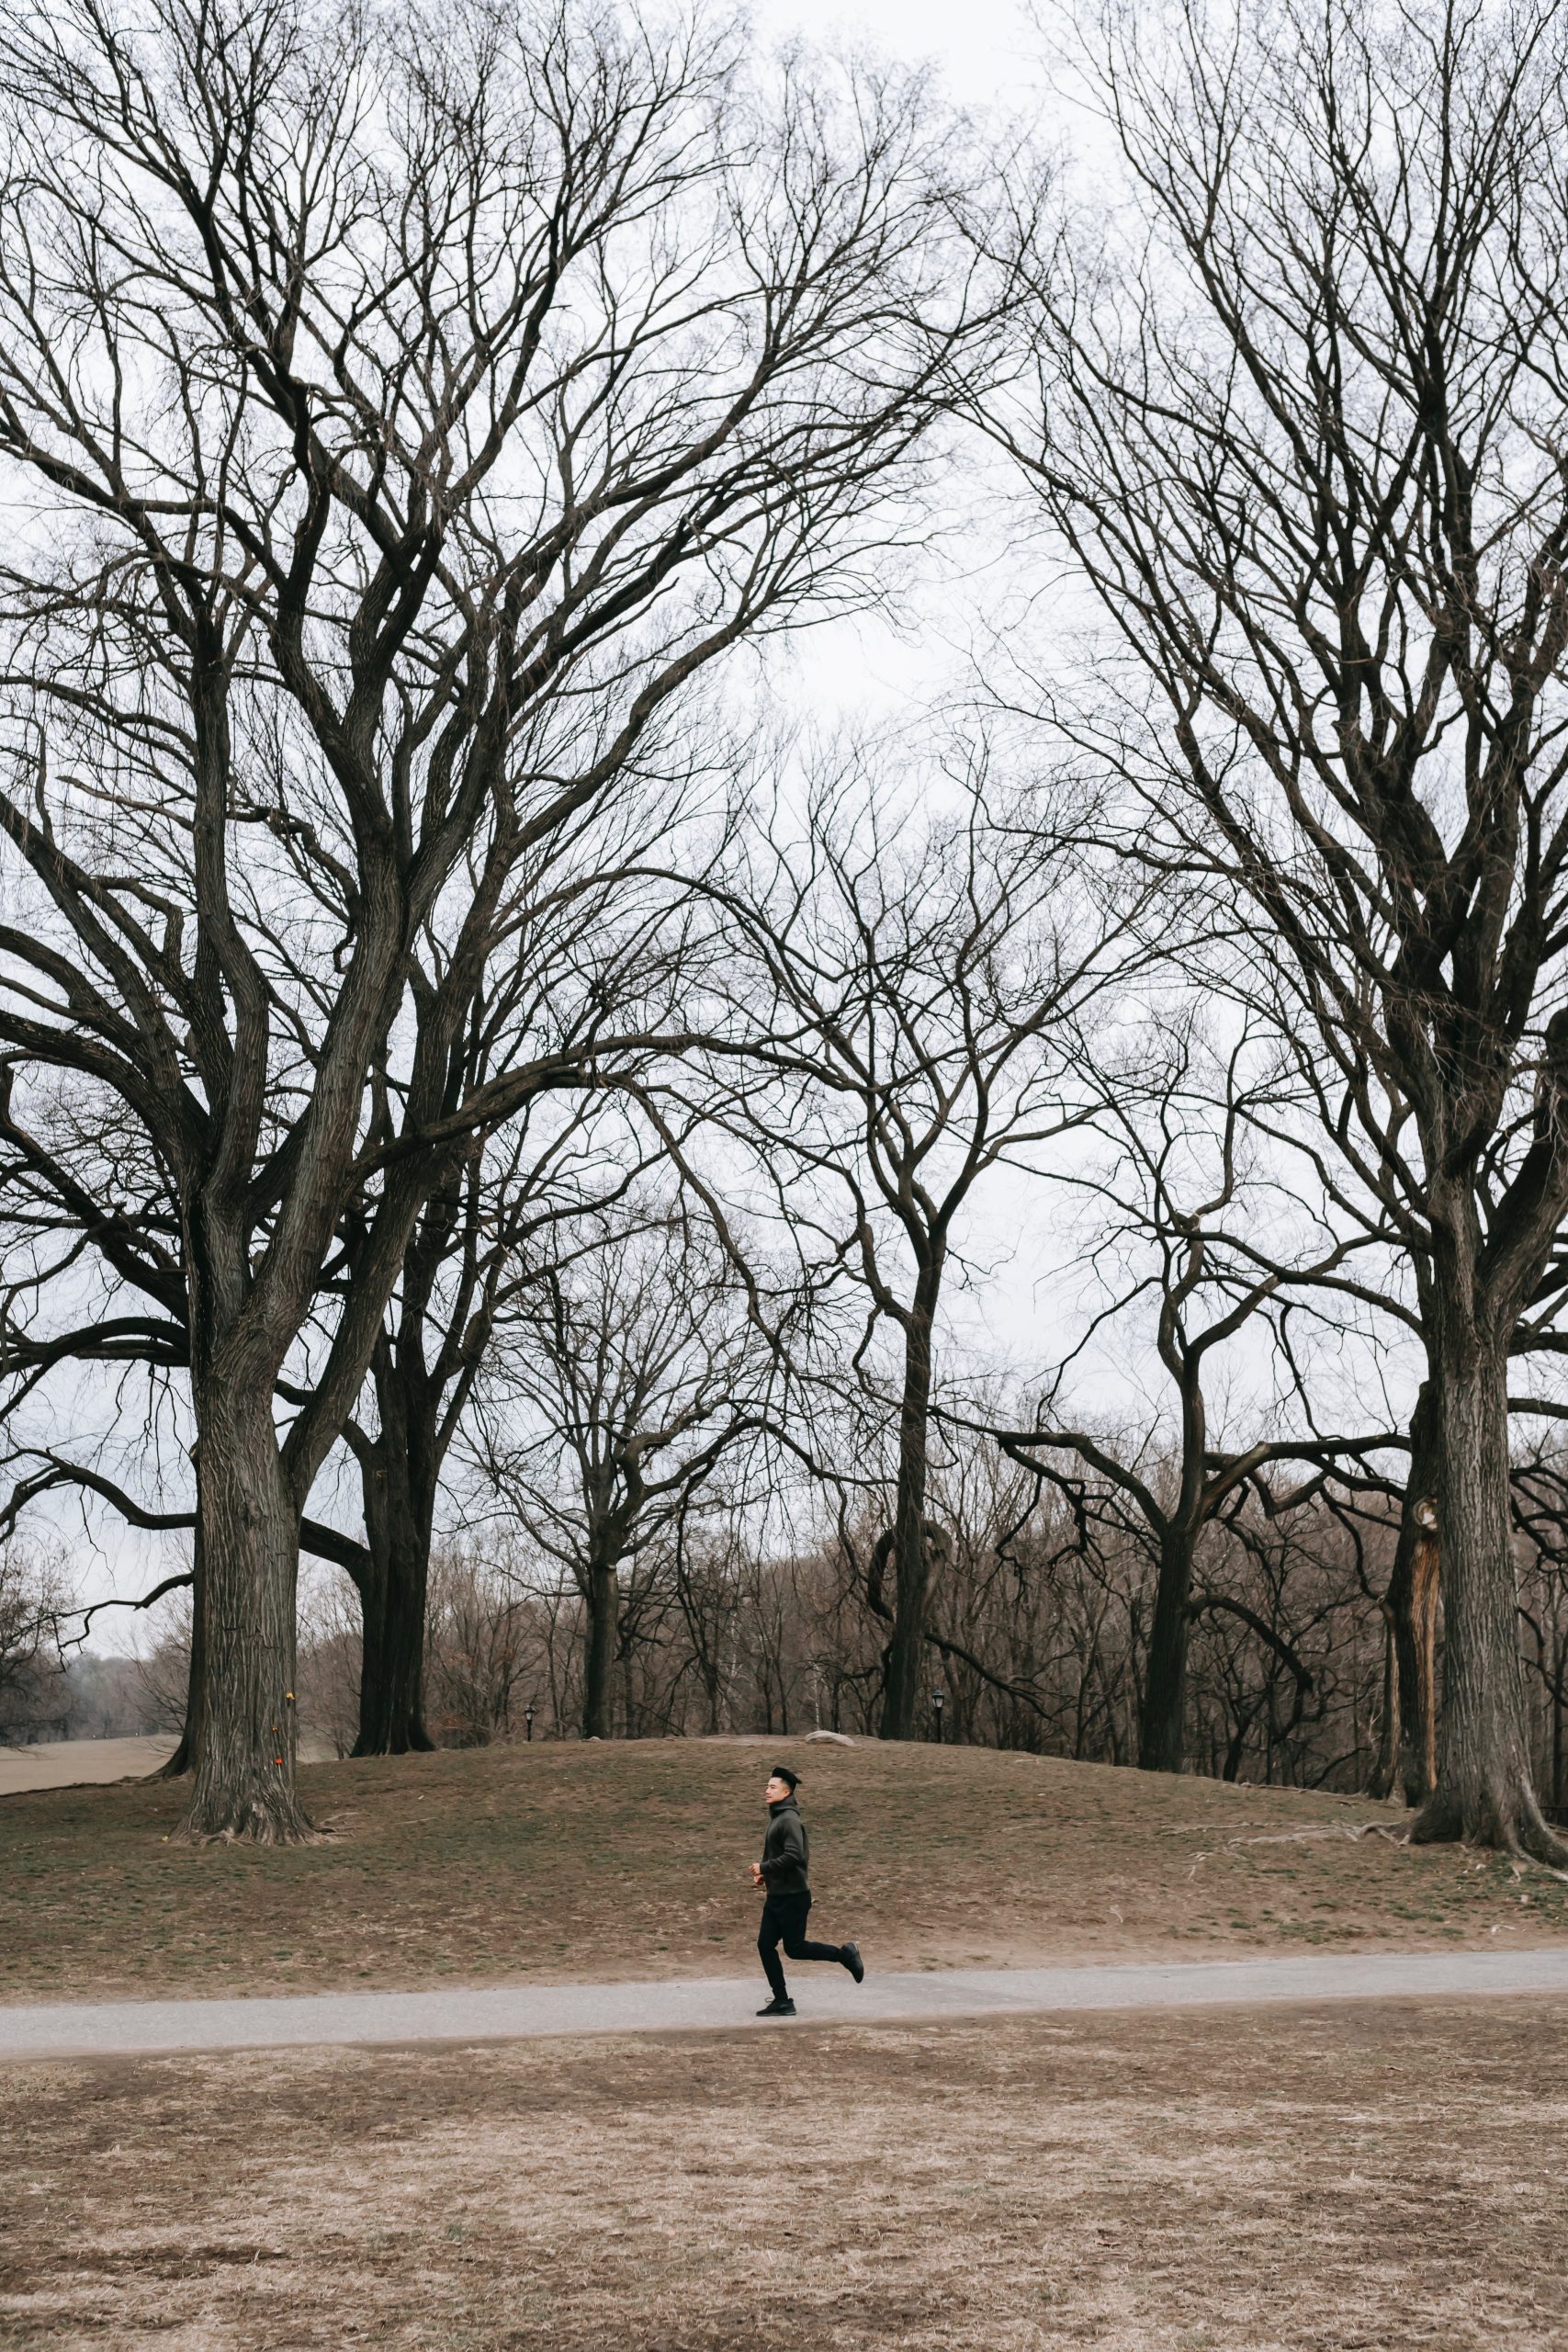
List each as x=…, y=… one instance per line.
x=783, y=1921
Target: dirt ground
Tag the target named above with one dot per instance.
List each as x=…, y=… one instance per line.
x=580, y=1861
x=63, y=1763
x=1384, y=2177
x=70, y=1763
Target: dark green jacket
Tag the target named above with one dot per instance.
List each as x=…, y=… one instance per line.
x=784, y=1852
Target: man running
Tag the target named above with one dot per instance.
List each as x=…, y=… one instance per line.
x=782, y=1872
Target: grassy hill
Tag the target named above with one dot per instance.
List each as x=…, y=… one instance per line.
x=573, y=1862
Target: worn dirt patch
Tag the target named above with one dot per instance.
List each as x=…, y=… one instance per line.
x=66, y=1763
x=75, y=1763
x=578, y=1861
x=1349, y=2180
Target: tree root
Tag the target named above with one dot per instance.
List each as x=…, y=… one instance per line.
x=1542, y=1845
x=1316, y=1836
x=310, y=1836
x=1519, y=1829
x=1396, y=1836
x=1536, y=1848
x=263, y=1829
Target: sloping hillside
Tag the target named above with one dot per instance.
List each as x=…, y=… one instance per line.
x=631, y=1861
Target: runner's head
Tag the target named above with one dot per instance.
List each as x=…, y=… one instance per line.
x=781, y=1783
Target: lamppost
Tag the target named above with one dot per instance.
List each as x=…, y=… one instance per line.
x=938, y=1700
x=527, y=1722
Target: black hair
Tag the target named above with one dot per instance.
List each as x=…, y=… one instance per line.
x=791, y=1780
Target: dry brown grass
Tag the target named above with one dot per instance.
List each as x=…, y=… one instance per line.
x=1383, y=2178
x=594, y=1862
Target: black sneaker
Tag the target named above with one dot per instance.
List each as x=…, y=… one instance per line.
x=853, y=1963
x=778, y=2010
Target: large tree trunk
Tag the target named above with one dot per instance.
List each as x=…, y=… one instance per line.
x=250, y=1538
x=1162, y=1742
x=393, y=1604
x=1556, y=1689
x=905, y=1650
x=399, y=1473
x=1485, y=1791
x=398, y=1479
x=1412, y=1593
x=603, y=1598
x=1385, y=1766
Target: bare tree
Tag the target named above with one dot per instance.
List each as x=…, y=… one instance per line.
x=408, y=410
x=35, y=1598
x=1216, y=1240
x=163, y=1665
x=1412, y=1610
x=582, y=938
x=1303, y=437
x=480, y=1649
x=559, y=1157
x=466, y=1261
x=903, y=994
x=624, y=1370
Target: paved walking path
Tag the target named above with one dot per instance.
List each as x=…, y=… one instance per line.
x=524, y=2011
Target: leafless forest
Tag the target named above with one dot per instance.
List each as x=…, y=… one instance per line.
x=561, y=1179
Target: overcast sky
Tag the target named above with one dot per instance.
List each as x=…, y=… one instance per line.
x=983, y=47
x=1031, y=1296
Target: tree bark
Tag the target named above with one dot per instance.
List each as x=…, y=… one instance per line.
x=1557, y=1670
x=906, y=1649
x=1485, y=1791
x=1385, y=1773
x=399, y=1472
x=392, y=1600
x=250, y=1539
x=599, y=1657
x=1419, y=1742
x=1162, y=1740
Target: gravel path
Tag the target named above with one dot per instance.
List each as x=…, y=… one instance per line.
x=514, y=2011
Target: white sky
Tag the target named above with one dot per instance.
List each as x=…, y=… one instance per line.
x=984, y=48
